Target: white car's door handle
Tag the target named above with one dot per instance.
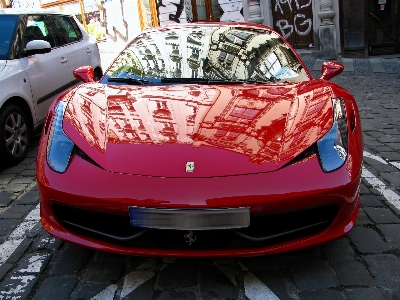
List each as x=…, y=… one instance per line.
x=88, y=50
x=64, y=60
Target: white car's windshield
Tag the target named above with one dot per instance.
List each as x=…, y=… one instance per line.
x=8, y=25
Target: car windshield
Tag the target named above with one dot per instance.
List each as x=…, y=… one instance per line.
x=202, y=54
x=8, y=25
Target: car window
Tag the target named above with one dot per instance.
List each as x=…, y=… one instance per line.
x=67, y=31
x=8, y=25
x=39, y=27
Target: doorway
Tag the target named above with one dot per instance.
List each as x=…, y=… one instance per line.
x=293, y=20
x=206, y=10
x=370, y=27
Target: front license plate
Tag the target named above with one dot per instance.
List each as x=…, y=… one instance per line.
x=189, y=219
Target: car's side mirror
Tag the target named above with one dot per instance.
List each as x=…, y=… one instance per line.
x=331, y=69
x=85, y=74
x=37, y=47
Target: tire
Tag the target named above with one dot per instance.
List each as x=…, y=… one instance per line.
x=97, y=75
x=15, y=135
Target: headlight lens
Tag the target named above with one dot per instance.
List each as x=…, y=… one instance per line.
x=59, y=146
x=333, y=146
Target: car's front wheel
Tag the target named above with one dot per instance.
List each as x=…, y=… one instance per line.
x=14, y=135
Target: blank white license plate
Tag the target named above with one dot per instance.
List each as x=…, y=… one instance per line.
x=189, y=219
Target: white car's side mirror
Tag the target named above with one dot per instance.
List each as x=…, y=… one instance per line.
x=37, y=47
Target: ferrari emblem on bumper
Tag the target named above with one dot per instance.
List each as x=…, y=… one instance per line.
x=190, y=237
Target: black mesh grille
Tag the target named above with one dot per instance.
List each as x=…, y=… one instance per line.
x=289, y=226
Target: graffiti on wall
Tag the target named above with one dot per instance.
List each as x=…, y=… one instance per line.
x=301, y=23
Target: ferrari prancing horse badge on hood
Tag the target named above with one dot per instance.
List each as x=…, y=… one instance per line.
x=190, y=166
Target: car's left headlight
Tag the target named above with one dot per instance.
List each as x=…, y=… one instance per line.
x=333, y=146
x=59, y=146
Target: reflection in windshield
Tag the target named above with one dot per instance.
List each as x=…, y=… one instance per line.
x=211, y=52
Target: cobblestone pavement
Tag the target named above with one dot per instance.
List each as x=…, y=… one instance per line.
x=363, y=265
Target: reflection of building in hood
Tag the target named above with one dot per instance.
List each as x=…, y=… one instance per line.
x=272, y=123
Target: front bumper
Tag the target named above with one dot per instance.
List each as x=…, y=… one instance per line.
x=279, y=201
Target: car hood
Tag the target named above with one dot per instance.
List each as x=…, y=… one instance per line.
x=221, y=129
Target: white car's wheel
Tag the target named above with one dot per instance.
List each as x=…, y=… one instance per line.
x=14, y=135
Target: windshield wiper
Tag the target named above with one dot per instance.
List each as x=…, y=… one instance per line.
x=211, y=81
x=130, y=80
x=200, y=80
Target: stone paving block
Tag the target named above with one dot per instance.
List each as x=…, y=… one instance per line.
x=386, y=270
x=352, y=273
x=363, y=189
x=362, y=219
x=312, y=252
x=28, y=172
x=106, y=256
x=262, y=262
x=338, y=250
x=370, y=201
x=181, y=273
x=274, y=280
x=384, y=168
x=181, y=295
x=70, y=261
x=376, y=66
x=32, y=197
x=394, y=146
x=348, y=65
x=17, y=287
x=5, y=177
x=103, y=272
x=33, y=263
x=4, y=268
x=19, y=252
x=22, y=180
x=13, y=170
x=16, y=212
x=7, y=226
x=14, y=187
x=59, y=288
x=381, y=215
x=144, y=291
x=28, y=160
x=392, y=177
x=364, y=293
x=367, y=240
x=6, y=198
x=392, y=233
x=322, y=294
x=318, y=65
x=46, y=241
x=91, y=290
x=311, y=274
x=391, y=156
x=215, y=285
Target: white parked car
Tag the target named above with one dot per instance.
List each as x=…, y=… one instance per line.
x=38, y=52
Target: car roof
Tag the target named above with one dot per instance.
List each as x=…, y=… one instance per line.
x=17, y=11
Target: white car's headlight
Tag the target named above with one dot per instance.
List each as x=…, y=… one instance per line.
x=333, y=146
x=59, y=146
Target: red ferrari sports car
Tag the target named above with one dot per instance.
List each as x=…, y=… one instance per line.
x=202, y=140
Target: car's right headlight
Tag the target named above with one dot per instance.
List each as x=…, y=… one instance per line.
x=59, y=146
x=333, y=146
